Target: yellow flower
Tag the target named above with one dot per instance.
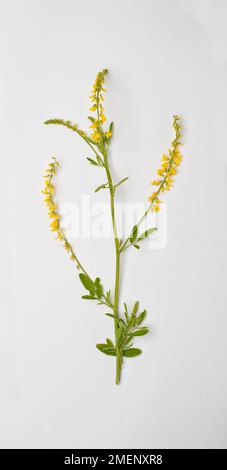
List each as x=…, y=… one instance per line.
x=156, y=182
x=169, y=167
x=177, y=160
x=52, y=206
x=103, y=117
x=96, y=98
x=96, y=136
x=173, y=171
x=54, y=215
x=165, y=165
x=54, y=226
x=94, y=125
x=152, y=197
x=49, y=188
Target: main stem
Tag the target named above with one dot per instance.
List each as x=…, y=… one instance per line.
x=117, y=269
x=116, y=301
x=116, y=242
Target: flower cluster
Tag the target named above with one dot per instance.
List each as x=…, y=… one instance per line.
x=168, y=169
x=97, y=98
x=49, y=191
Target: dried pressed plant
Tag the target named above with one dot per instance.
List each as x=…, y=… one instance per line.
x=130, y=324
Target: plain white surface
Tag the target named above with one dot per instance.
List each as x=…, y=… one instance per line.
x=164, y=57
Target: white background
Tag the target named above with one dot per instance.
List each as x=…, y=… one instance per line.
x=164, y=57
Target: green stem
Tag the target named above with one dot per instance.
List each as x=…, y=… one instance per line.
x=73, y=254
x=117, y=268
x=116, y=301
x=116, y=242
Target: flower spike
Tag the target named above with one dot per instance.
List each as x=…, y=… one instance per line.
x=169, y=167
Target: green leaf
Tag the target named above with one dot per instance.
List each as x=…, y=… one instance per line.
x=91, y=118
x=102, y=186
x=121, y=182
x=87, y=283
x=98, y=287
x=88, y=297
x=110, y=315
x=147, y=233
x=111, y=126
x=136, y=246
x=93, y=162
x=133, y=235
x=141, y=317
x=105, y=349
x=110, y=343
x=126, y=311
x=141, y=332
x=132, y=352
x=108, y=295
x=135, y=308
